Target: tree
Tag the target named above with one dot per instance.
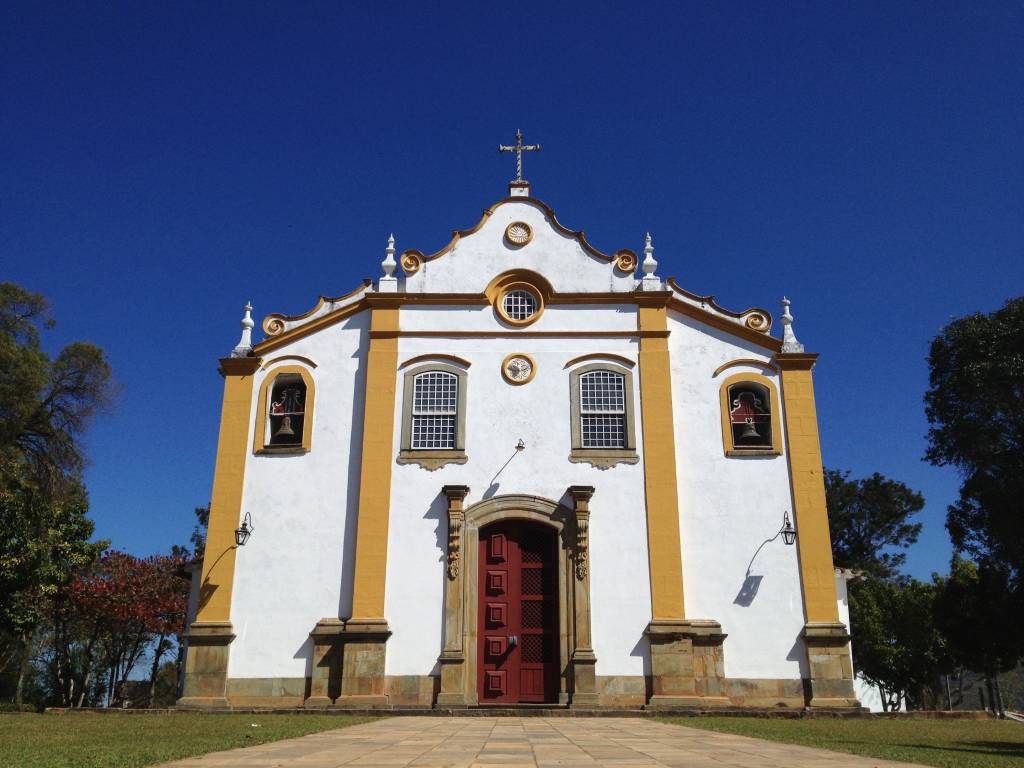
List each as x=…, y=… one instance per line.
x=45, y=405
x=44, y=541
x=896, y=644
x=973, y=610
x=977, y=425
x=867, y=517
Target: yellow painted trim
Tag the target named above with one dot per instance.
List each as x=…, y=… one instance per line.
x=282, y=358
x=375, y=473
x=723, y=324
x=745, y=361
x=260, y=438
x=422, y=358
x=662, y=491
x=773, y=404
x=287, y=337
x=808, y=486
x=228, y=483
x=601, y=356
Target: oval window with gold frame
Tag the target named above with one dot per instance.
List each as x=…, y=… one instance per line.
x=519, y=304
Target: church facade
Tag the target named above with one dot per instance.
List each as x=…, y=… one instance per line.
x=518, y=471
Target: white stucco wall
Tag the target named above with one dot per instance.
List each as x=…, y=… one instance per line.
x=297, y=566
x=478, y=257
x=728, y=507
x=498, y=415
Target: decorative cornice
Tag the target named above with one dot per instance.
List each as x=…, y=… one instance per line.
x=458, y=234
x=601, y=356
x=796, y=361
x=274, y=323
x=755, y=318
x=282, y=358
x=421, y=358
x=239, y=366
x=745, y=361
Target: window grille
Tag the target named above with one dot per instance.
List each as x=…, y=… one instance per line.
x=750, y=416
x=434, y=410
x=603, y=410
x=287, y=410
x=519, y=305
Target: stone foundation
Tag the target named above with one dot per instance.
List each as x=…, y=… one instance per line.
x=206, y=665
x=828, y=654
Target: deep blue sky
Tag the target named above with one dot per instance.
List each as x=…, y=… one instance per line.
x=163, y=163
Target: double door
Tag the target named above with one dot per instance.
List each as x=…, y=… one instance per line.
x=518, y=614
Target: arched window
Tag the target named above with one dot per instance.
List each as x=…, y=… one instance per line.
x=601, y=406
x=750, y=419
x=435, y=408
x=285, y=411
x=434, y=416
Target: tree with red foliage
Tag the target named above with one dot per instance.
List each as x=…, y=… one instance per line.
x=106, y=619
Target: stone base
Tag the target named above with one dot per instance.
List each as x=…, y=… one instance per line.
x=687, y=702
x=585, y=701
x=316, y=702
x=362, y=663
x=687, y=664
x=828, y=655
x=201, y=702
x=206, y=665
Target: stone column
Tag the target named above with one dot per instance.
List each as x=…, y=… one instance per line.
x=326, y=636
x=682, y=655
x=206, y=664
x=584, y=689
x=453, y=657
x=362, y=663
x=828, y=654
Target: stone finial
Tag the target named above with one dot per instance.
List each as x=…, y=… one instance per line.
x=389, y=283
x=789, y=340
x=650, y=282
x=245, y=343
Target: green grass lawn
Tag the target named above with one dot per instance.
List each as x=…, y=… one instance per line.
x=944, y=743
x=84, y=740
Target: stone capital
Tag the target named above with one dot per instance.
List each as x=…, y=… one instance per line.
x=239, y=366
x=456, y=494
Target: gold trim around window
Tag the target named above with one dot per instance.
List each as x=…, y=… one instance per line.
x=432, y=459
x=773, y=395
x=261, y=437
x=602, y=458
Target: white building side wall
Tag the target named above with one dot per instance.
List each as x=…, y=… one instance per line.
x=498, y=415
x=297, y=566
x=728, y=507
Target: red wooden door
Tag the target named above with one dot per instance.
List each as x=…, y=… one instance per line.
x=518, y=653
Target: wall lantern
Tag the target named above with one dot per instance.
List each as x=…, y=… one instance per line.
x=242, y=534
x=788, y=531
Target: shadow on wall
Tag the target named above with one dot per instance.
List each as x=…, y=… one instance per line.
x=305, y=652
x=798, y=653
x=438, y=510
x=355, y=446
x=752, y=581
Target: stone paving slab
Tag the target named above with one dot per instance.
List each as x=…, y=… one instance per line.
x=431, y=742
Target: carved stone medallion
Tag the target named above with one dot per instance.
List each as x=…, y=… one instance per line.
x=518, y=233
x=518, y=368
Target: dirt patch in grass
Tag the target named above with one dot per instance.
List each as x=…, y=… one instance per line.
x=943, y=743
x=84, y=740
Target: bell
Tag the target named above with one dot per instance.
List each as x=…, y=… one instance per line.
x=749, y=431
x=285, y=430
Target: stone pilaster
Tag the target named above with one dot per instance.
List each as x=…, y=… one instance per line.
x=206, y=665
x=362, y=663
x=326, y=636
x=687, y=665
x=453, y=656
x=828, y=653
x=584, y=680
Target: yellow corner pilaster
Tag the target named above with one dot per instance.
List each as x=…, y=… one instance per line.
x=226, y=500
x=662, y=492
x=375, y=473
x=808, y=486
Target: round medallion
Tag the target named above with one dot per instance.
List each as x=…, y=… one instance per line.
x=518, y=233
x=518, y=368
x=626, y=261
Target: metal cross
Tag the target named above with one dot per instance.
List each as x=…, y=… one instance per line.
x=519, y=148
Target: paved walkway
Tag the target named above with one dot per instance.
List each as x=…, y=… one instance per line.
x=507, y=742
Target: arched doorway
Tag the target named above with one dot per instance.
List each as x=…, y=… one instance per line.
x=563, y=531
x=517, y=655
